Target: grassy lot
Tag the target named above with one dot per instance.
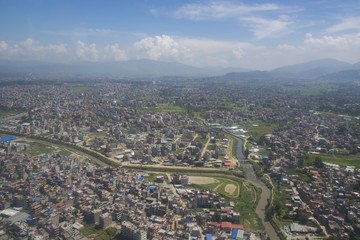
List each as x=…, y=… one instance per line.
x=80, y=89
x=200, y=139
x=314, y=90
x=65, y=153
x=39, y=148
x=248, y=200
x=103, y=234
x=302, y=176
x=164, y=108
x=350, y=160
x=5, y=113
x=178, y=150
x=257, y=131
x=152, y=177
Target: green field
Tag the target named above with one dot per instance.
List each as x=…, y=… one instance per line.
x=152, y=177
x=39, y=148
x=302, y=176
x=99, y=233
x=200, y=139
x=5, y=113
x=314, y=90
x=257, y=131
x=164, y=108
x=348, y=159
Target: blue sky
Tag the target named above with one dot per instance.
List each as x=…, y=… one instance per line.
x=249, y=34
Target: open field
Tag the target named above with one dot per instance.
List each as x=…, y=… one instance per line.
x=259, y=129
x=302, y=176
x=202, y=180
x=348, y=159
x=164, y=108
x=230, y=188
x=39, y=148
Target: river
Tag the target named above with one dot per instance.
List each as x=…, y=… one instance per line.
x=265, y=193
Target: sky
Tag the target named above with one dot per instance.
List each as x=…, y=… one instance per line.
x=253, y=34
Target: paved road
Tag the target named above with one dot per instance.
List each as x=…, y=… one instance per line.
x=265, y=193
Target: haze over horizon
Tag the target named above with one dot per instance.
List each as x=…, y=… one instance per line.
x=260, y=35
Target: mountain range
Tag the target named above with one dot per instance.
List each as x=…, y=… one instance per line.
x=318, y=69
x=324, y=69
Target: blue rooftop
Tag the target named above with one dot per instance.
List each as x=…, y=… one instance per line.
x=36, y=199
x=141, y=178
x=151, y=188
x=234, y=233
x=208, y=236
x=112, y=180
x=188, y=220
x=8, y=139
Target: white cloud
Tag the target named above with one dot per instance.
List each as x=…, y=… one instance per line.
x=352, y=23
x=32, y=50
x=238, y=53
x=87, y=52
x=3, y=46
x=161, y=47
x=195, y=52
x=263, y=28
x=35, y=47
x=251, y=17
x=346, y=41
x=113, y=52
x=221, y=9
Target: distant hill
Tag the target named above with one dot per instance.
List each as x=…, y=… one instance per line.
x=325, y=69
x=319, y=69
x=343, y=76
x=133, y=68
x=315, y=68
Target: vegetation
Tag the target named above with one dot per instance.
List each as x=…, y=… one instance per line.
x=298, y=172
x=245, y=196
x=70, y=145
x=340, y=159
x=99, y=233
x=258, y=128
x=38, y=148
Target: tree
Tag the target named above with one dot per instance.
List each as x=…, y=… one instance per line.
x=318, y=162
x=303, y=218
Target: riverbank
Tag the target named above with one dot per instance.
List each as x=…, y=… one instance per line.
x=265, y=194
